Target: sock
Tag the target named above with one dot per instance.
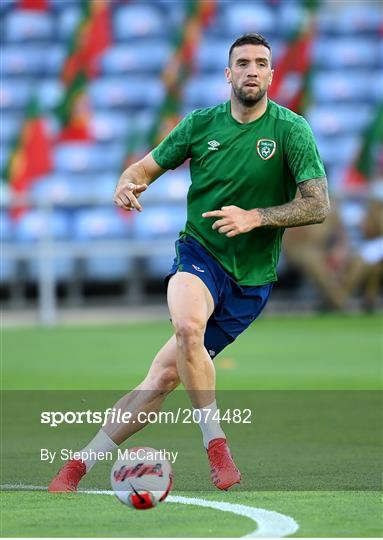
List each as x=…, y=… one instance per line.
x=101, y=443
x=210, y=428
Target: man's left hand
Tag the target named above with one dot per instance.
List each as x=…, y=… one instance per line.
x=233, y=220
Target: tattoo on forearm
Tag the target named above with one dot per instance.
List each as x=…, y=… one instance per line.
x=311, y=207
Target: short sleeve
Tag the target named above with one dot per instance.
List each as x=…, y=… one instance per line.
x=302, y=153
x=175, y=148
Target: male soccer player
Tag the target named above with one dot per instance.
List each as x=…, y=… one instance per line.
x=248, y=158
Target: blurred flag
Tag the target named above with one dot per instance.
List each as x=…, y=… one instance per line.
x=299, y=100
x=136, y=144
x=207, y=10
x=74, y=111
x=32, y=155
x=180, y=66
x=369, y=160
x=292, y=71
x=37, y=5
x=92, y=37
x=136, y=148
x=199, y=14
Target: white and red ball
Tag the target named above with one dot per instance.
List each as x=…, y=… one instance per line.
x=143, y=479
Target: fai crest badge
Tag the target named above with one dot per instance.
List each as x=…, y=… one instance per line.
x=266, y=148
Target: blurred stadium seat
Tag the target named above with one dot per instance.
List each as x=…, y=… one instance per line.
x=242, y=17
x=139, y=21
x=18, y=60
x=58, y=189
x=289, y=18
x=87, y=157
x=340, y=53
x=50, y=93
x=343, y=18
x=150, y=57
x=212, y=55
x=54, y=59
x=101, y=187
x=159, y=223
x=338, y=151
x=157, y=266
x=52, y=188
x=130, y=91
x=350, y=85
x=33, y=226
x=9, y=126
x=103, y=224
x=205, y=91
x=172, y=186
x=67, y=19
x=109, y=126
x=80, y=190
x=326, y=120
x=26, y=26
x=142, y=120
x=15, y=93
x=34, y=60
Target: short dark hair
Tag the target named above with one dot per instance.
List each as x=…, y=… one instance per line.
x=249, y=39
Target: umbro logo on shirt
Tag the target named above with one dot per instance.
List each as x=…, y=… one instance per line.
x=213, y=145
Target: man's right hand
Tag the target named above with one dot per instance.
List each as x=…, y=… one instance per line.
x=134, y=181
x=126, y=195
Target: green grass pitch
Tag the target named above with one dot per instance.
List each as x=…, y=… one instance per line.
x=322, y=358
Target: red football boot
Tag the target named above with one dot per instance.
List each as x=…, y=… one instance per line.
x=224, y=473
x=68, y=477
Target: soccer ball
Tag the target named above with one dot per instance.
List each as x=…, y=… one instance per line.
x=142, y=478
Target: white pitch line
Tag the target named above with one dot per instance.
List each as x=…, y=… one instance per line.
x=270, y=524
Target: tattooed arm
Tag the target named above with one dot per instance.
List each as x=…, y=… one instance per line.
x=312, y=206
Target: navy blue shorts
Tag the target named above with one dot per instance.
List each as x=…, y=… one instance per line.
x=235, y=306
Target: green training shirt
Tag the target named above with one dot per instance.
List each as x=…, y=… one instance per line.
x=253, y=165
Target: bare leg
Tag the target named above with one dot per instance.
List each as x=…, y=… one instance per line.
x=161, y=379
x=148, y=396
x=190, y=305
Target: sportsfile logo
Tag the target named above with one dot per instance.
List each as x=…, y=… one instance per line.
x=119, y=416
x=213, y=145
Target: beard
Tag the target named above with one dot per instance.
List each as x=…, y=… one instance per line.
x=244, y=99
